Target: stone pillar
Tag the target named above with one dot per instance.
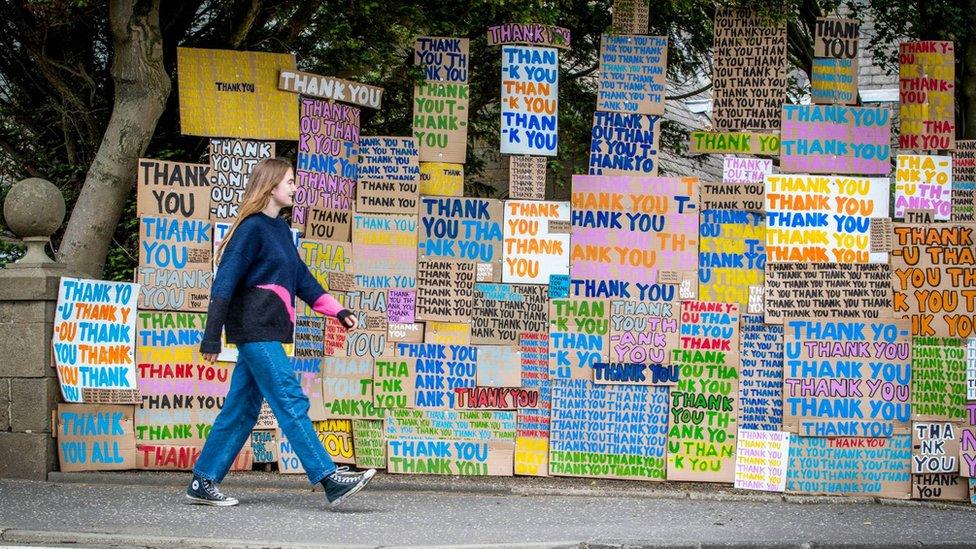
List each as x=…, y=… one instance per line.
x=29, y=391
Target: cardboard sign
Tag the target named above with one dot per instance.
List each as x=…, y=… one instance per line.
x=495, y=398
x=626, y=229
x=330, y=87
x=935, y=448
x=704, y=405
x=174, y=270
x=176, y=457
x=309, y=336
x=929, y=285
x=399, y=332
x=938, y=379
x=370, y=443
x=442, y=59
x=834, y=81
x=633, y=74
x=441, y=179
x=174, y=189
x=466, y=229
x=971, y=369
x=394, y=379
x=761, y=374
x=530, y=101
x=749, y=69
x=447, y=333
x=531, y=253
x=527, y=177
x=328, y=161
x=924, y=182
x=964, y=181
x=499, y=366
x=630, y=444
x=944, y=487
x=444, y=290
x=529, y=33
x=308, y=372
x=94, y=339
x=388, y=159
x=226, y=93
x=967, y=449
x=823, y=219
x=400, y=306
x=335, y=436
x=926, y=95
x=95, y=438
x=264, y=446
x=835, y=139
x=532, y=433
x=439, y=369
x=745, y=170
x=488, y=426
x=440, y=121
x=231, y=164
x=578, y=337
x=369, y=305
x=503, y=312
x=761, y=460
x=266, y=418
x=448, y=457
x=826, y=290
x=641, y=333
x=847, y=377
x=703, y=142
x=836, y=38
x=630, y=16
x=181, y=394
x=750, y=197
x=851, y=466
x=624, y=143
x=347, y=388
x=384, y=248
x=395, y=197
x=732, y=255
x=335, y=335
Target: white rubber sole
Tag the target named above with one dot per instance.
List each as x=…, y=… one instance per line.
x=368, y=475
x=229, y=502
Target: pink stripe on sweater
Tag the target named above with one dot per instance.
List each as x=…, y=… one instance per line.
x=285, y=296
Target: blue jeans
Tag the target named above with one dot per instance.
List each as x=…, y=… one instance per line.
x=263, y=369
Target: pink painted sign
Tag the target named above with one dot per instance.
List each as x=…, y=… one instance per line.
x=835, y=139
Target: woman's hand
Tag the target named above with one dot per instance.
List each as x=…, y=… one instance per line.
x=351, y=322
x=210, y=357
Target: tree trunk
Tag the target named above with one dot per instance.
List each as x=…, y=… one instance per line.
x=141, y=89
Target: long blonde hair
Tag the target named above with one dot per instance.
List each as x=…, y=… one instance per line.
x=264, y=178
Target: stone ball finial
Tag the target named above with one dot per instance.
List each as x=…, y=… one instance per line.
x=34, y=208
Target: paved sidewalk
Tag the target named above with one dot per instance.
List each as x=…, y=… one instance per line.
x=147, y=509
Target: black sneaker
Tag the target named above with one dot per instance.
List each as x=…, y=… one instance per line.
x=342, y=483
x=202, y=491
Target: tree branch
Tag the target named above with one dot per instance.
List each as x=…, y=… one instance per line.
x=704, y=88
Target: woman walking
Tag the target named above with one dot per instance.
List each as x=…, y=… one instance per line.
x=253, y=296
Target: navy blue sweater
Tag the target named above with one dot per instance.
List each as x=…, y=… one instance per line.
x=253, y=294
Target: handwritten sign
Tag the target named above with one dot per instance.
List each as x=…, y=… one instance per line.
x=445, y=290
x=732, y=255
x=825, y=290
x=749, y=197
x=761, y=375
x=347, y=388
x=227, y=93
x=462, y=229
x=529, y=112
x=330, y=87
x=328, y=161
x=749, y=69
x=264, y=446
x=633, y=74
x=370, y=443
x=388, y=158
x=823, y=219
x=231, y=163
x=938, y=379
x=964, y=181
x=173, y=189
x=95, y=438
x=578, y=334
x=94, y=338
x=441, y=179
x=835, y=139
x=643, y=334
x=761, y=460
x=833, y=81
x=174, y=270
x=530, y=33
x=924, y=182
x=967, y=450
x=836, y=38
x=851, y=466
x=847, y=377
x=440, y=121
x=323, y=258
x=745, y=170
x=630, y=443
x=439, y=369
x=503, y=312
x=443, y=59
x=451, y=424
x=932, y=277
x=926, y=95
x=936, y=448
x=703, y=142
x=309, y=336
x=447, y=333
x=630, y=16
x=384, y=249
x=624, y=143
x=527, y=177
x=532, y=252
x=532, y=433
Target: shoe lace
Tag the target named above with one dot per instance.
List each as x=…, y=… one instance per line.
x=211, y=489
x=342, y=475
